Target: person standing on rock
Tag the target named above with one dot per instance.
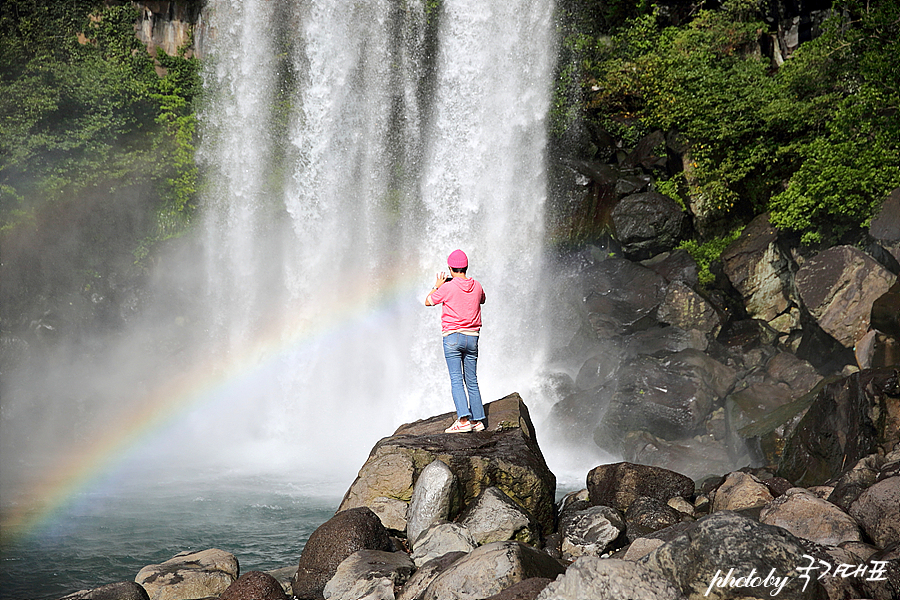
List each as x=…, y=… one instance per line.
x=461, y=298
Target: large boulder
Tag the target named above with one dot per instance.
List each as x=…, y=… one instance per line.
x=494, y=517
x=190, y=575
x=619, y=485
x=371, y=574
x=441, y=539
x=254, y=585
x=489, y=570
x=878, y=511
x=850, y=419
x=741, y=491
x=124, y=590
x=620, y=296
x=839, y=286
x=425, y=574
x=609, y=579
x=336, y=539
x=700, y=560
x=683, y=307
x=647, y=224
x=759, y=270
x=506, y=456
x=590, y=532
x=807, y=516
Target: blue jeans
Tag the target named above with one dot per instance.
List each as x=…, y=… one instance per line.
x=461, y=352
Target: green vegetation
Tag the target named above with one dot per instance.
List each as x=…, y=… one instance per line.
x=816, y=141
x=84, y=114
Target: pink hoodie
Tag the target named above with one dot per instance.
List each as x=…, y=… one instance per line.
x=462, y=299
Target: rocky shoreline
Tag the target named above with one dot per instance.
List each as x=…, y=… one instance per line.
x=436, y=516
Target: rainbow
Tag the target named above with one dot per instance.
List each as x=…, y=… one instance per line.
x=88, y=466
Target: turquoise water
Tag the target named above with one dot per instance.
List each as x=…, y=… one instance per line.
x=108, y=536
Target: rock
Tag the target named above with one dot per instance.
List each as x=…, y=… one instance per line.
x=838, y=287
x=677, y=265
x=699, y=560
x=741, y=491
x=524, y=590
x=598, y=368
x=650, y=514
x=494, y=517
x=190, y=575
x=685, y=308
x=371, y=574
x=254, y=585
x=647, y=224
x=336, y=539
x=590, y=532
x=641, y=547
x=432, y=498
x=662, y=341
x=850, y=419
x=809, y=517
x=490, y=569
x=758, y=270
x=620, y=484
x=284, y=576
x=124, y=590
x=506, y=455
x=425, y=574
x=878, y=512
x=693, y=456
x=668, y=397
x=620, y=297
x=441, y=539
x=855, y=481
x=609, y=579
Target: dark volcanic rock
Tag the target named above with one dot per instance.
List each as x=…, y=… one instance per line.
x=254, y=585
x=620, y=484
x=647, y=224
x=334, y=540
x=849, y=419
x=125, y=590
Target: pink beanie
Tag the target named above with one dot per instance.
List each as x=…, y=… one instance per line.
x=457, y=260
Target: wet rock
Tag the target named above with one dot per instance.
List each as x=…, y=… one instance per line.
x=491, y=569
x=694, y=456
x=441, y=539
x=685, y=308
x=850, y=419
x=878, y=512
x=620, y=484
x=425, y=574
x=647, y=224
x=661, y=341
x=758, y=270
x=254, y=585
x=838, y=287
x=809, y=517
x=741, y=491
x=432, y=498
x=371, y=574
x=677, y=265
x=609, y=579
x=590, y=532
x=190, y=575
x=700, y=557
x=343, y=534
x=620, y=297
x=124, y=590
x=855, y=481
x=646, y=515
x=506, y=455
x=494, y=517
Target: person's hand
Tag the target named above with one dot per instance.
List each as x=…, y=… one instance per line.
x=441, y=279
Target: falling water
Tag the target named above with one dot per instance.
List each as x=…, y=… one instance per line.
x=350, y=148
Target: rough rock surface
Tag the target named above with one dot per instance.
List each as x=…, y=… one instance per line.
x=524, y=590
x=810, y=517
x=726, y=540
x=620, y=484
x=740, y=491
x=372, y=574
x=506, y=455
x=849, y=419
x=124, y=590
x=254, y=585
x=838, y=287
x=878, y=511
x=425, y=574
x=190, y=575
x=441, y=539
x=590, y=532
x=432, y=498
x=609, y=579
x=494, y=517
x=647, y=224
x=490, y=569
x=336, y=539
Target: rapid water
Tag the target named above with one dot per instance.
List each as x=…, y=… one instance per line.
x=347, y=149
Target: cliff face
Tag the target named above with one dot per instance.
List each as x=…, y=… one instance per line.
x=171, y=25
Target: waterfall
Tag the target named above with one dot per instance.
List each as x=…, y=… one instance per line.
x=349, y=148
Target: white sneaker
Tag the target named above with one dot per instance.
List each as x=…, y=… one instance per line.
x=459, y=427
x=478, y=426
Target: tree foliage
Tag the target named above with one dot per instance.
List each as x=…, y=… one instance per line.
x=815, y=141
